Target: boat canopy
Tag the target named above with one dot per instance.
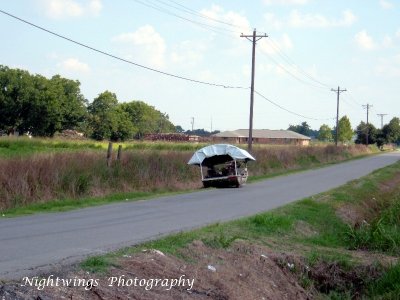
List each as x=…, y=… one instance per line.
x=218, y=154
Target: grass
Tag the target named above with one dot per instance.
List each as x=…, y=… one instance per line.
x=66, y=173
x=328, y=244
x=23, y=146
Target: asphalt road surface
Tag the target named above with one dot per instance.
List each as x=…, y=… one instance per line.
x=43, y=242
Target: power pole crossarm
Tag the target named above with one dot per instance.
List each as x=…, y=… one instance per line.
x=252, y=38
x=338, y=91
x=381, y=115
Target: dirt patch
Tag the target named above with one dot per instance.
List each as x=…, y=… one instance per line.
x=350, y=214
x=390, y=185
x=304, y=229
x=240, y=272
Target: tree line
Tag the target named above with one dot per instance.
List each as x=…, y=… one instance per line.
x=362, y=134
x=40, y=106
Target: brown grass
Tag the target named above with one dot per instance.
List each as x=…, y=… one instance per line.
x=49, y=176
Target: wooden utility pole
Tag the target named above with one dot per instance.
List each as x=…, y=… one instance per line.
x=252, y=38
x=381, y=115
x=338, y=91
x=367, y=106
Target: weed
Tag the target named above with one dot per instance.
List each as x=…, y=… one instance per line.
x=95, y=264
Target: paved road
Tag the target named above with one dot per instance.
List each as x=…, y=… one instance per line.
x=41, y=242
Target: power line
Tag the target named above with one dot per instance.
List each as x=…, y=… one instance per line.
x=291, y=73
x=291, y=62
x=195, y=13
x=208, y=26
x=290, y=111
x=120, y=58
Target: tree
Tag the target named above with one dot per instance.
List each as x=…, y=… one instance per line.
x=325, y=133
x=363, y=130
x=179, y=129
x=303, y=128
x=72, y=103
x=391, y=131
x=35, y=104
x=146, y=119
x=345, y=131
x=103, y=116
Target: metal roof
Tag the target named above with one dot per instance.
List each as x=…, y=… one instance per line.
x=263, y=133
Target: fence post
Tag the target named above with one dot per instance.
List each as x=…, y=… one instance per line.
x=119, y=152
x=109, y=154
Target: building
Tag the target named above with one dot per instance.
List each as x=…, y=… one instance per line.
x=262, y=136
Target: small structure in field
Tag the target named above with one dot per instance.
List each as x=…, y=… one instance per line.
x=262, y=136
x=224, y=165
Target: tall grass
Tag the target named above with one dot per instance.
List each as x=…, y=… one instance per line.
x=43, y=177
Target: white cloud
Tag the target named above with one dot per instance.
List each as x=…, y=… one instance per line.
x=387, y=41
x=273, y=46
x=73, y=65
x=386, y=4
x=286, y=2
x=364, y=41
x=144, y=44
x=272, y=21
x=188, y=53
x=299, y=20
x=389, y=67
x=234, y=18
x=58, y=9
x=398, y=33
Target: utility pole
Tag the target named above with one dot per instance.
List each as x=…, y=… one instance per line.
x=252, y=38
x=367, y=106
x=381, y=115
x=338, y=91
x=192, y=123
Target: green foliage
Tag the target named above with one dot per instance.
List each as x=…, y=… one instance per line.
x=303, y=128
x=146, y=119
x=325, y=133
x=387, y=286
x=95, y=264
x=345, y=131
x=40, y=106
x=391, y=131
x=363, y=130
x=35, y=104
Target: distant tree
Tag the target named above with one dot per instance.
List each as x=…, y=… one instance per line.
x=103, y=117
x=363, y=130
x=345, y=131
x=325, y=133
x=146, y=119
x=391, y=131
x=179, y=129
x=36, y=104
x=73, y=105
x=303, y=128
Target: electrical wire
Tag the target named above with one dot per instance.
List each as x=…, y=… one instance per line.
x=289, y=111
x=120, y=58
x=216, y=29
x=195, y=13
x=274, y=44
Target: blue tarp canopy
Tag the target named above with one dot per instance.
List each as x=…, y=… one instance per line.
x=219, y=153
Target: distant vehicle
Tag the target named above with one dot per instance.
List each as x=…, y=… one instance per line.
x=222, y=165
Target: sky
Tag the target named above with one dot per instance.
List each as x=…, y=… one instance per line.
x=312, y=47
